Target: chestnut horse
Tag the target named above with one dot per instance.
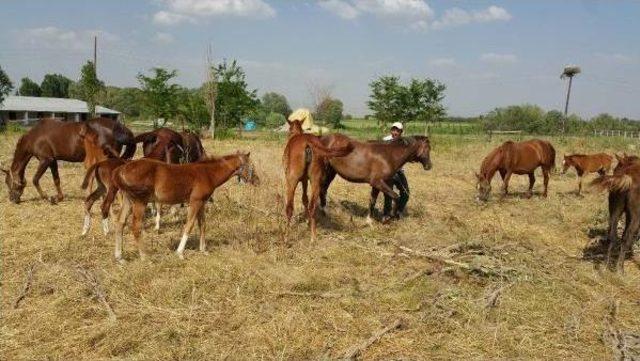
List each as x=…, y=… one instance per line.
x=624, y=196
x=587, y=163
x=301, y=161
x=373, y=163
x=159, y=150
x=516, y=158
x=145, y=180
x=51, y=140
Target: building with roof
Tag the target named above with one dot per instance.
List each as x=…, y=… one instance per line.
x=30, y=109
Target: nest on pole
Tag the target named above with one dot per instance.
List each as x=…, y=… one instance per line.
x=570, y=71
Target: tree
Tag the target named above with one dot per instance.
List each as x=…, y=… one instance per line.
x=56, y=86
x=233, y=100
x=160, y=97
x=126, y=100
x=193, y=109
x=88, y=87
x=330, y=112
x=5, y=85
x=29, y=88
x=275, y=103
x=423, y=100
x=275, y=119
x=387, y=99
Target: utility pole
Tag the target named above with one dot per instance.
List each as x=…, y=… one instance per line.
x=569, y=72
x=95, y=54
x=211, y=90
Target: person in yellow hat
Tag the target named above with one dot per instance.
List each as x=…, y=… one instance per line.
x=399, y=180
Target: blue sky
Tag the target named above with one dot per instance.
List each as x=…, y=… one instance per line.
x=488, y=53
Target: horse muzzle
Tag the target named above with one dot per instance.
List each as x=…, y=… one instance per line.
x=427, y=166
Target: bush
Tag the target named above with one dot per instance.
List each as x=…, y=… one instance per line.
x=275, y=120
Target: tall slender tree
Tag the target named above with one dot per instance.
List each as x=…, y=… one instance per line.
x=5, y=85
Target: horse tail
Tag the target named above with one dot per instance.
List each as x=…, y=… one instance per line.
x=552, y=150
x=613, y=183
x=91, y=172
x=321, y=150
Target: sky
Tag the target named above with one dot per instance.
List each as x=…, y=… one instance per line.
x=488, y=53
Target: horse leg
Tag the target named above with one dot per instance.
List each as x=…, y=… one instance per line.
x=545, y=174
x=194, y=208
x=502, y=173
x=616, y=207
x=329, y=176
x=387, y=190
x=291, y=192
x=630, y=233
x=56, y=179
x=202, y=227
x=158, y=212
x=372, y=204
x=122, y=220
x=42, y=167
x=136, y=226
x=579, y=175
x=106, y=206
x=88, y=204
x=316, y=174
x=506, y=179
x=532, y=181
x=305, y=197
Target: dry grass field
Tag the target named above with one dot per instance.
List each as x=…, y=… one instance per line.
x=512, y=279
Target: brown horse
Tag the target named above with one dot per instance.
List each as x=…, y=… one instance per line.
x=373, y=163
x=624, y=196
x=587, y=163
x=192, y=148
x=302, y=161
x=166, y=142
x=516, y=158
x=144, y=180
x=159, y=150
x=51, y=140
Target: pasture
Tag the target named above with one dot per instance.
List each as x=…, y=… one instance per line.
x=511, y=279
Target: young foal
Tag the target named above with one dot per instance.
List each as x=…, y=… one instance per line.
x=144, y=180
x=302, y=161
x=587, y=163
x=624, y=196
x=516, y=158
x=373, y=163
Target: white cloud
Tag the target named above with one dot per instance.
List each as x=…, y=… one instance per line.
x=169, y=18
x=341, y=8
x=457, y=17
x=413, y=13
x=178, y=11
x=163, y=38
x=442, y=62
x=616, y=58
x=494, y=58
x=52, y=37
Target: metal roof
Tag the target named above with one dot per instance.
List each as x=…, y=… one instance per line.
x=15, y=103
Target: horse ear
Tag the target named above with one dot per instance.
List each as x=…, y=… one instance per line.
x=289, y=122
x=618, y=157
x=248, y=154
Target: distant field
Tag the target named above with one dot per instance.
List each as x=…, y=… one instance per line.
x=529, y=292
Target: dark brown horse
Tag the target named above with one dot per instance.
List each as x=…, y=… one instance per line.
x=587, y=163
x=624, y=197
x=516, y=158
x=373, y=163
x=192, y=148
x=52, y=140
x=144, y=180
x=303, y=160
x=183, y=147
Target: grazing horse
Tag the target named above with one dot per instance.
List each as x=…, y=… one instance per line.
x=145, y=180
x=166, y=142
x=624, y=196
x=373, y=163
x=301, y=161
x=516, y=158
x=587, y=163
x=51, y=140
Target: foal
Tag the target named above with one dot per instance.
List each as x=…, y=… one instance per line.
x=587, y=163
x=302, y=160
x=624, y=196
x=144, y=180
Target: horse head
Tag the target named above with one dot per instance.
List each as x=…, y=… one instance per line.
x=295, y=127
x=15, y=186
x=566, y=163
x=483, y=185
x=423, y=153
x=247, y=172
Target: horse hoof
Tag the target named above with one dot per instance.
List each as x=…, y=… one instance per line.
x=386, y=220
x=121, y=261
x=53, y=200
x=369, y=220
x=180, y=255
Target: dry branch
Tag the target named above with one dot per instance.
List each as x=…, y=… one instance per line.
x=481, y=270
x=624, y=345
x=90, y=278
x=355, y=350
x=309, y=294
x=27, y=285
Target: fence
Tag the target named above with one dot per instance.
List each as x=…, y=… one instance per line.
x=617, y=133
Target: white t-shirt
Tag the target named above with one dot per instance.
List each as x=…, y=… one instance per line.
x=388, y=138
